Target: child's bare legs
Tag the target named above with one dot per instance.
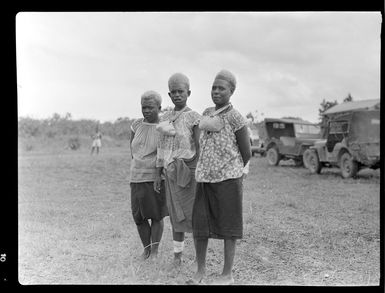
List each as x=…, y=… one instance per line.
x=144, y=231
x=178, y=238
x=156, y=236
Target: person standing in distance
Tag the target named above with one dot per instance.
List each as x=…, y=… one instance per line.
x=96, y=141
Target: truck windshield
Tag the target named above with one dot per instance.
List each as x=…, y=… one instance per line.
x=303, y=129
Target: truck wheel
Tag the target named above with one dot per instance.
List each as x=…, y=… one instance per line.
x=312, y=162
x=348, y=166
x=305, y=157
x=273, y=157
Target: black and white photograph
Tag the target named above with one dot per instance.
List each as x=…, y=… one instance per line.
x=210, y=148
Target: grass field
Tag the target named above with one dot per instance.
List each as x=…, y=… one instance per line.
x=75, y=226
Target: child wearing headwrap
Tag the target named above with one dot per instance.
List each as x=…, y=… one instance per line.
x=217, y=211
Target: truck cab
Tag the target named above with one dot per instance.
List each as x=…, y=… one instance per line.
x=288, y=139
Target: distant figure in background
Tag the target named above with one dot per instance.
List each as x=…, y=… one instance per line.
x=97, y=142
x=148, y=200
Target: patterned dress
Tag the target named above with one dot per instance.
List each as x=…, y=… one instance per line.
x=220, y=158
x=217, y=211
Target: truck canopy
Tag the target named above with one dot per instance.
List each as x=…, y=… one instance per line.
x=365, y=127
x=373, y=104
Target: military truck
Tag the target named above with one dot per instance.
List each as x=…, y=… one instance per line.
x=351, y=139
x=288, y=138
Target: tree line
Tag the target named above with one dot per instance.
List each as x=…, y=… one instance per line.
x=58, y=125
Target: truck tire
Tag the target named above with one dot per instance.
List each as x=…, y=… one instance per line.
x=305, y=156
x=273, y=157
x=348, y=166
x=313, y=163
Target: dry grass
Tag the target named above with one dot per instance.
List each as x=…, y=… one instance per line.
x=75, y=226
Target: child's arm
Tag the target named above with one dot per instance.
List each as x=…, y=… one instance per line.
x=196, y=133
x=158, y=179
x=132, y=134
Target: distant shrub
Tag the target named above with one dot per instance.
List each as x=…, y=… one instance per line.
x=29, y=127
x=51, y=134
x=74, y=143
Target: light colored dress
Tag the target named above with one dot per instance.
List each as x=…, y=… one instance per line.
x=220, y=158
x=97, y=142
x=182, y=145
x=144, y=149
x=145, y=202
x=174, y=153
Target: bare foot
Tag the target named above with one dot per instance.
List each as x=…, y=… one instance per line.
x=177, y=259
x=154, y=252
x=154, y=255
x=224, y=280
x=197, y=279
x=145, y=255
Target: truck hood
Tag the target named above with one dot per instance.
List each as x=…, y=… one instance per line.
x=320, y=142
x=310, y=141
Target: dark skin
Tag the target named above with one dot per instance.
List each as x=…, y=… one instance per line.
x=179, y=93
x=150, y=234
x=221, y=92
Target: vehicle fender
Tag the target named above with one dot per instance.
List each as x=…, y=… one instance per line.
x=341, y=150
x=271, y=145
x=303, y=147
x=320, y=150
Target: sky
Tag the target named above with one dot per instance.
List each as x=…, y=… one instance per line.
x=96, y=65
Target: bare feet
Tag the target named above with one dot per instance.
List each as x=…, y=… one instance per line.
x=177, y=259
x=197, y=279
x=224, y=280
x=145, y=255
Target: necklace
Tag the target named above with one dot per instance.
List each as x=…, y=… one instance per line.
x=176, y=114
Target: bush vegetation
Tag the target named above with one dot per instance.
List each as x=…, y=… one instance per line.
x=64, y=125
x=63, y=132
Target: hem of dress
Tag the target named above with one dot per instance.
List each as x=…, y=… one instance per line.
x=143, y=181
x=213, y=235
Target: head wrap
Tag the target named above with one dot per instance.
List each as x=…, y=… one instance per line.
x=178, y=78
x=151, y=95
x=229, y=77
